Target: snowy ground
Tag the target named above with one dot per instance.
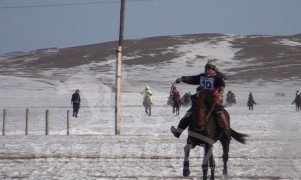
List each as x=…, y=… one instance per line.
x=145, y=149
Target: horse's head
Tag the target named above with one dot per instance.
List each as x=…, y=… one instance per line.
x=199, y=109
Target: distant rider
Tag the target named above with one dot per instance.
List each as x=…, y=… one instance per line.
x=147, y=98
x=251, y=101
x=175, y=93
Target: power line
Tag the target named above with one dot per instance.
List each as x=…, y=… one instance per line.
x=67, y=4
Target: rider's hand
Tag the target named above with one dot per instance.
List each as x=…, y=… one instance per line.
x=178, y=80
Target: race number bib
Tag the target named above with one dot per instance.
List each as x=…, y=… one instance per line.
x=207, y=83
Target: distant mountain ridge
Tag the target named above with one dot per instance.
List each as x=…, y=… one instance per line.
x=268, y=57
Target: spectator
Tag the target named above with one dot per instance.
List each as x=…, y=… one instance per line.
x=75, y=101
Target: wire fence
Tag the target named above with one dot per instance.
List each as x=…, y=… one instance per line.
x=27, y=123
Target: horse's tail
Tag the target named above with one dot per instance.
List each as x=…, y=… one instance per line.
x=239, y=136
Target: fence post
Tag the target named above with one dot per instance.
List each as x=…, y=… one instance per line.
x=47, y=123
x=3, y=127
x=68, y=123
x=26, y=122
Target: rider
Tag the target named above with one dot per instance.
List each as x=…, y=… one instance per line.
x=213, y=84
x=175, y=93
x=147, y=98
x=230, y=95
x=175, y=96
x=147, y=93
x=298, y=95
x=251, y=99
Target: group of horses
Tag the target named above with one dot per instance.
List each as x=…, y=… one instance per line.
x=176, y=102
x=204, y=130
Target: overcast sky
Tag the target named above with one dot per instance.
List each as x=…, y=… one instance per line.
x=34, y=24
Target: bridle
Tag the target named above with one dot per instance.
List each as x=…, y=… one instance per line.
x=203, y=107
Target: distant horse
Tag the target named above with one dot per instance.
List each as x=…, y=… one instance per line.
x=204, y=131
x=186, y=99
x=175, y=101
x=297, y=102
x=147, y=103
x=251, y=103
x=230, y=100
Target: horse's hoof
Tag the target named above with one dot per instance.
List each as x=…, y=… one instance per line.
x=186, y=173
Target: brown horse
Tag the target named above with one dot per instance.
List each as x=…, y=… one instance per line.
x=175, y=101
x=186, y=99
x=204, y=131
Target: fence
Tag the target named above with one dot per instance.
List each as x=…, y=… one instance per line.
x=27, y=122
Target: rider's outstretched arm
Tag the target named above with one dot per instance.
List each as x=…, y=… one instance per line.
x=195, y=80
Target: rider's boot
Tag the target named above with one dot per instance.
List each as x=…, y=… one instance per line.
x=223, y=123
x=183, y=124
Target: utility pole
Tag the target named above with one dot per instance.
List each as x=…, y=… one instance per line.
x=118, y=71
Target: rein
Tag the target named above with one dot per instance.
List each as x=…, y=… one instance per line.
x=209, y=113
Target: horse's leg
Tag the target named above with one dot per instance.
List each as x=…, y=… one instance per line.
x=212, y=166
x=211, y=162
x=225, y=143
x=207, y=157
x=186, y=171
x=150, y=110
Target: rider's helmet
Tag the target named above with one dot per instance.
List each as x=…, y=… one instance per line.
x=211, y=64
x=147, y=88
